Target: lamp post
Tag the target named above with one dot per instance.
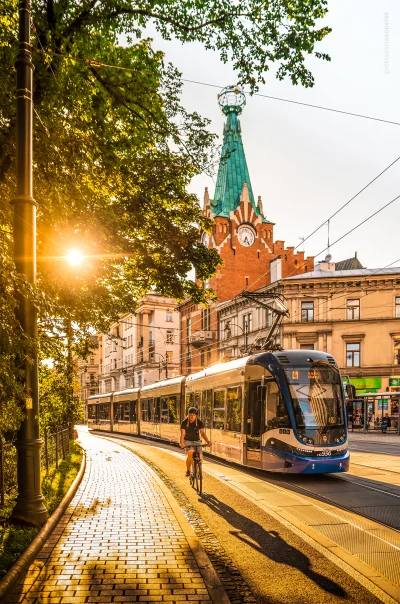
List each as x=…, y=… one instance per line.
x=244, y=330
x=30, y=506
x=165, y=359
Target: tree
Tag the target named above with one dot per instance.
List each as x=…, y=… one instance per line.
x=114, y=150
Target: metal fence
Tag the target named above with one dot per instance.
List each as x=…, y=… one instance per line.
x=55, y=448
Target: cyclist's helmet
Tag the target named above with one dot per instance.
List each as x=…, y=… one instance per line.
x=193, y=410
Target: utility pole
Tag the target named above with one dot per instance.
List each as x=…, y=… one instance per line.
x=30, y=506
x=166, y=366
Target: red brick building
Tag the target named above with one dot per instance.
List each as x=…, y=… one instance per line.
x=243, y=237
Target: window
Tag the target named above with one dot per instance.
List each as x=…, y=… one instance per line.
x=397, y=301
x=227, y=331
x=234, y=409
x=168, y=316
x=353, y=310
x=353, y=354
x=169, y=337
x=277, y=415
x=188, y=360
x=307, y=311
x=169, y=356
x=205, y=408
x=169, y=410
x=205, y=319
x=219, y=409
x=306, y=346
x=248, y=322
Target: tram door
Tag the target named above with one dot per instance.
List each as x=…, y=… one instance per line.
x=255, y=423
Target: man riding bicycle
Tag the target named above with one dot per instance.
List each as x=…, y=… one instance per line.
x=191, y=429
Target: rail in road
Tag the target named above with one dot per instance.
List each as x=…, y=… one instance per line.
x=354, y=517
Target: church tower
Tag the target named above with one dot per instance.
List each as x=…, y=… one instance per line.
x=243, y=237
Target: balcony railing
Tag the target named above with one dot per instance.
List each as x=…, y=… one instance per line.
x=201, y=338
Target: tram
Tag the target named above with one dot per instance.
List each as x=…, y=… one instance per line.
x=278, y=411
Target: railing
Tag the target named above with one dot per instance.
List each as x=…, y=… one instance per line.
x=55, y=448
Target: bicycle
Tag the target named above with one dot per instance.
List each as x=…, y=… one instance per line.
x=196, y=472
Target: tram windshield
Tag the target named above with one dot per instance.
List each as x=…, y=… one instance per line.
x=317, y=396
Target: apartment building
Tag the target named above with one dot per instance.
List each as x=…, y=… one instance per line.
x=352, y=313
x=143, y=347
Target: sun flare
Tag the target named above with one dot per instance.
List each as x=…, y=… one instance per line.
x=74, y=257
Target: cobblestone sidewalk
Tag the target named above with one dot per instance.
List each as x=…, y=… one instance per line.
x=119, y=541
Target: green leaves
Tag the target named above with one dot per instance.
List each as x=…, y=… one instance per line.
x=114, y=150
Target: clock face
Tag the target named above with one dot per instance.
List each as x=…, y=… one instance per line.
x=246, y=236
x=205, y=239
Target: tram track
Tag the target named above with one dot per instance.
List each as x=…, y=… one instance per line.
x=363, y=493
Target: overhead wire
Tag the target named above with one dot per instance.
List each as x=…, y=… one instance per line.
x=100, y=64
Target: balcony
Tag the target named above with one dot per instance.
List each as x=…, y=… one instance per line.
x=201, y=338
x=116, y=367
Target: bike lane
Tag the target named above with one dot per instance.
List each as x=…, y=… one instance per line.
x=122, y=539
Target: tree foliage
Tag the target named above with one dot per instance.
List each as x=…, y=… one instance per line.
x=114, y=149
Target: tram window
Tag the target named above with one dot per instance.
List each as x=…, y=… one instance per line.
x=189, y=400
x=157, y=409
x=219, y=409
x=117, y=413
x=197, y=400
x=126, y=411
x=234, y=409
x=169, y=413
x=104, y=411
x=134, y=411
x=145, y=411
x=92, y=411
x=205, y=409
x=277, y=416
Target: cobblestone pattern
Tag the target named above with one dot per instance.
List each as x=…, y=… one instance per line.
x=118, y=542
x=236, y=588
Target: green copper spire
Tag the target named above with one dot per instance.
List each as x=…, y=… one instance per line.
x=233, y=171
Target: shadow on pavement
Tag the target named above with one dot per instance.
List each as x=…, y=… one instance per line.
x=271, y=545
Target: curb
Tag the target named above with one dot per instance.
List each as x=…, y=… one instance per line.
x=213, y=583
x=21, y=565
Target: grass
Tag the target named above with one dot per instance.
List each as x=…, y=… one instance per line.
x=15, y=539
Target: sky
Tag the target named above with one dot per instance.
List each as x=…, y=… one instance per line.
x=306, y=163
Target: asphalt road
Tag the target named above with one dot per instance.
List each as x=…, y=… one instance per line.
x=376, y=447
x=278, y=566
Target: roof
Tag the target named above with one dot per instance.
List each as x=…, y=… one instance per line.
x=362, y=272
x=348, y=265
x=232, y=172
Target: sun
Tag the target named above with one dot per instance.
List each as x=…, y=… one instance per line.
x=74, y=257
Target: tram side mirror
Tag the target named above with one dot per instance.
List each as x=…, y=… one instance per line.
x=260, y=392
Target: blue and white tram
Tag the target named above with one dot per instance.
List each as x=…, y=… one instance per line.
x=281, y=411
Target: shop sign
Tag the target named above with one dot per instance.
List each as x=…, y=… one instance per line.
x=385, y=404
x=394, y=381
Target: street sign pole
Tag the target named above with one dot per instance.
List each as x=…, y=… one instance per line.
x=30, y=506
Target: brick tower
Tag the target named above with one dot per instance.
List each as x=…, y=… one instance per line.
x=243, y=237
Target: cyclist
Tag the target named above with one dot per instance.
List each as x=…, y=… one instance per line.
x=191, y=429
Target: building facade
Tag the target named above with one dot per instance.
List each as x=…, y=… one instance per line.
x=243, y=237
x=143, y=347
x=352, y=314
x=87, y=374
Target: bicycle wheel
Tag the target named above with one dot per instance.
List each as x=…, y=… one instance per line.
x=195, y=475
x=199, y=479
x=192, y=476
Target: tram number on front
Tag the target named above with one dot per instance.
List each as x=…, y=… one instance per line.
x=284, y=431
x=331, y=420
x=325, y=453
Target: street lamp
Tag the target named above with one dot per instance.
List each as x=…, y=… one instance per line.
x=30, y=506
x=165, y=359
x=244, y=330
